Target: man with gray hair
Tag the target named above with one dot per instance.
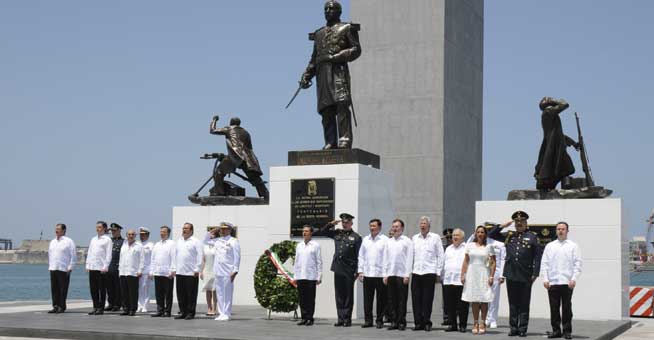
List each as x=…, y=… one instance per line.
x=452, y=285
x=427, y=266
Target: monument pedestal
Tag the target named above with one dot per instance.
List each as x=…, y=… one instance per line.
x=596, y=226
x=360, y=190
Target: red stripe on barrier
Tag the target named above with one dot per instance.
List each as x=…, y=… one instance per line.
x=648, y=312
x=640, y=302
x=634, y=291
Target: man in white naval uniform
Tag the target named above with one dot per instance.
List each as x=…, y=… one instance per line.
x=225, y=268
x=145, y=281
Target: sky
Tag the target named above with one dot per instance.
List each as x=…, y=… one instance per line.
x=105, y=106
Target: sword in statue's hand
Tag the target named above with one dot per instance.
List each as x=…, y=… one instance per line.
x=299, y=87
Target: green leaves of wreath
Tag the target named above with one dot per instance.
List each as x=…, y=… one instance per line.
x=274, y=292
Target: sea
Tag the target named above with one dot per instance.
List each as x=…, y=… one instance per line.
x=31, y=282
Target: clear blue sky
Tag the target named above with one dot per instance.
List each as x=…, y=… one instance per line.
x=105, y=106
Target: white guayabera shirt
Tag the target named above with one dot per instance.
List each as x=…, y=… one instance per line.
x=163, y=258
x=371, y=255
x=98, y=256
x=62, y=254
x=308, y=261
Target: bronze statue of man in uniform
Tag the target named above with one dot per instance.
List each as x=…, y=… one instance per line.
x=239, y=155
x=335, y=44
x=554, y=163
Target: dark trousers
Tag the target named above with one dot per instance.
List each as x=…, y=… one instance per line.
x=98, y=282
x=59, y=281
x=398, y=294
x=114, y=296
x=445, y=316
x=560, y=296
x=337, y=115
x=519, y=294
x=422, y=298
x=344, y=289
x=163, y=291
x=372, y=286
x=129, y=286
x=307, y=292
x=187, y=294
x=455, y=306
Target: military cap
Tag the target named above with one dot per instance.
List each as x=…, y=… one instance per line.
x=346, y=217
x=144, y=230
x=519, y=215
x=116, y=226
x=226, y=225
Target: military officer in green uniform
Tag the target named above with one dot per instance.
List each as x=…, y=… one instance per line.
x=522, y=266
x=344, y=265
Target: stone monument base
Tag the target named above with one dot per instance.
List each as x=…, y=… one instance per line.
x=362, y=191
x=333, y=156
x=585, y=192
x=596, y=226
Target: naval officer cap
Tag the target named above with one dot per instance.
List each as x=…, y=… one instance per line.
x=144, y=230
x=346, y=217
x=116, y=226
x=226, y=225
x=519, y=215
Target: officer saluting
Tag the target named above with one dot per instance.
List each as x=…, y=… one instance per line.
x=521, y=268
x=344, y=265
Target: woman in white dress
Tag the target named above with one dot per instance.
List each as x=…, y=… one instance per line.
x=206, y=274
x=477, y=279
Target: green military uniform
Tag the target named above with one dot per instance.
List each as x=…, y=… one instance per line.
x=523, y=254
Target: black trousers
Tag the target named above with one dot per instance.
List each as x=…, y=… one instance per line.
x=445, y=317
x=337, y=115
x=374, y=286
x=98, y=282
x=114, y=296
x=519, y=294
x=344, y=289
x=560, y=296
x=455, y=306
x=422, y=298
x=59, y=281
x=129, y=286
x=398, y=294
x=163, y=291
x=187, y=294
x=307, y=292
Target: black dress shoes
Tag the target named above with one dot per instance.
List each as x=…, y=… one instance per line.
x=462, y=329
x=427, y=328
x=567, y=336
x=302, y=323
x=180, y=316
x=554, y=335
x=513, y=333
x=522, y=334
x=419, y=328
x=132, y=313
x=157, y=315
x=401, y=327
x=99, y=312
x=379, y=325
x=340, y=323
x=115, y=309
x=451, y=329
x=53, y=310
x=392, y=327
x=166, y=315
x=309, y=323
x=189, y=317
x=124, y=313
x=347, y=323
x=366, y=325
x=93, y=312
x=109, y=309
